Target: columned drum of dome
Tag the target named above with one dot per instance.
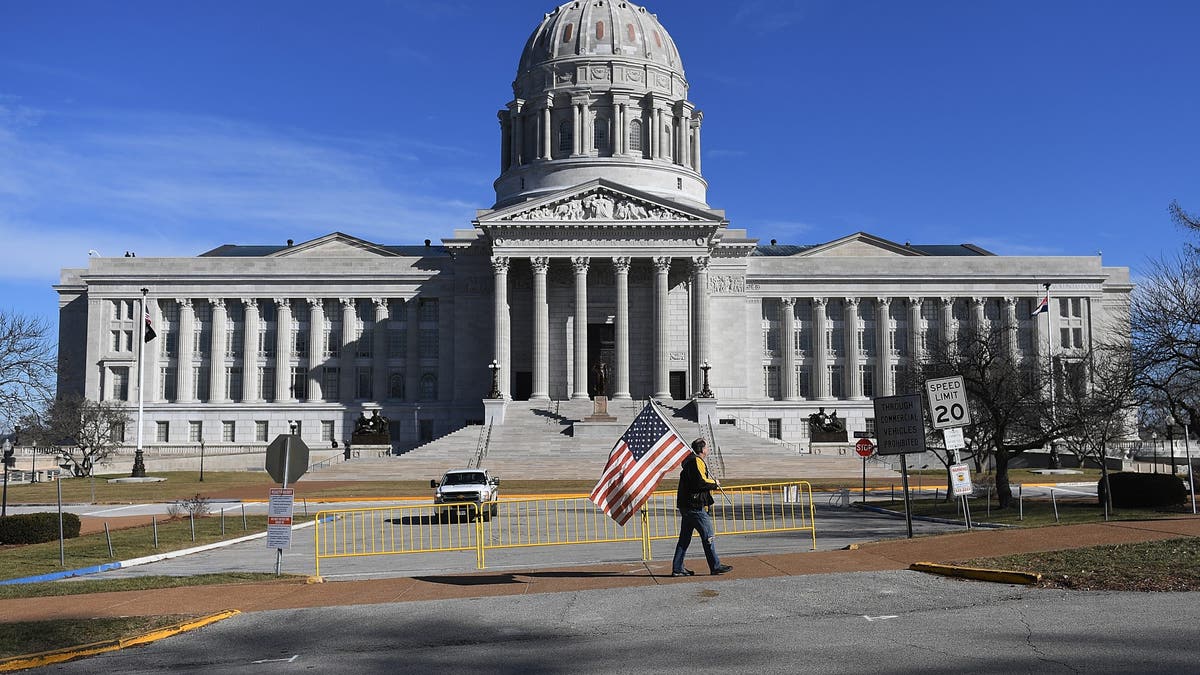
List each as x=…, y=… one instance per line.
x=600, y=93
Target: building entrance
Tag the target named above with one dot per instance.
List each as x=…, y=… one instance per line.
x=601, y=349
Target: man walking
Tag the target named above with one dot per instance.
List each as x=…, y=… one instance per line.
x=692, y=498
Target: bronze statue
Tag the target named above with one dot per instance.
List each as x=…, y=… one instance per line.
x=601, y=371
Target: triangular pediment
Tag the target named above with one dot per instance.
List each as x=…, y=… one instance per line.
x=860, y=245
x=601, y=202
x=335, y=245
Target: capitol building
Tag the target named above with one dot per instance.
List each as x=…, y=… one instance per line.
x=600, y=263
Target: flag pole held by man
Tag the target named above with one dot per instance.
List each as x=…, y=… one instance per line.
x=648, y=449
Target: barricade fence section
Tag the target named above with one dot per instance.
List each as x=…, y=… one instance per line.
x=551, y=521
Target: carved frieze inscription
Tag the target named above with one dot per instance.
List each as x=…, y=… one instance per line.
x=726, y=284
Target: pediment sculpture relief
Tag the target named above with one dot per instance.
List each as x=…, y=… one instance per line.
x=599, y=206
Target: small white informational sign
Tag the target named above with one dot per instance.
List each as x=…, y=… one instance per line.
x=960, y=478
x=279, y=518
x=954, y=438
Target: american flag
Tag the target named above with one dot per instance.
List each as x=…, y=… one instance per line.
x=150, y=334
x=649, y=448
x=1042, y=306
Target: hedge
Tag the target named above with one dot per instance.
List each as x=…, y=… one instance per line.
x=1144, y=490
x=35, y=528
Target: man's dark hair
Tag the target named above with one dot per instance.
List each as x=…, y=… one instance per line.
x=698, y=445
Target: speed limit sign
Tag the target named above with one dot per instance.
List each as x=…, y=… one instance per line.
x=948, y=402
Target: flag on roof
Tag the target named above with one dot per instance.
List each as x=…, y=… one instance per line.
x=649, y=448
x=150, y=334
x=1043, y=306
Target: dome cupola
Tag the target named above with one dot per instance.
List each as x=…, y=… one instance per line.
x=600, y=92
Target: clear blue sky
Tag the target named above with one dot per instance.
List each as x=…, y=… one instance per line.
x=169, y=128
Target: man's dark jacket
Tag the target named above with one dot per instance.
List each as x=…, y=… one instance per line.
x=695, y=486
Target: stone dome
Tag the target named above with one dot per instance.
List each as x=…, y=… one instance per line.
x=600, y=92
x=585, y=30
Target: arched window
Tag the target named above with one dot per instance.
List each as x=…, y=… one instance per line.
x=567, y=33
x=599, y=30
x=429, y=387
x=566, y=137
x=600, y=134
x=635, y=135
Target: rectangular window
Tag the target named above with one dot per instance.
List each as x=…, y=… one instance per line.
x=260, y=431
x=837, y=382
x=365, y=340
x=162, y=432
x=195, y=431
x=397, y=343
x=331, y=384
x=300, y=342
x=116, y=341
x=802, y=382
x=327, y=430
x=363, y=383
x=771, y=381
x=166, y=384
x=867, y=375
x=299, y=382
x=233, y=383
x=200, y=383
x=429, y=309
x=871, y=427
x=775, y=428
x=429, y=343
x=266, y=383
x=120, y=384
x=228, y=431
x=333, y=343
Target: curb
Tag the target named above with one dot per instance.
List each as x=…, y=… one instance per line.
x=977, y=573
x=71, y=653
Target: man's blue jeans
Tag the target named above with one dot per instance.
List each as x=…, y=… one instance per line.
x=698, y=520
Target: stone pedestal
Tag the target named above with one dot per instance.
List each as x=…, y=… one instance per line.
x=706, y=411
x=600, y=411
x=493, y=410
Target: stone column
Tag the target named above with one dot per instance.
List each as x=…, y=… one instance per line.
x=579, y=108
x=517, y=134
x=949, y=327
x=915, y=332
x=699, y=118
x=621, y=132
x=379, y=356
x=500, y=345
x=658, y=138
x=349, y=380
x=250, y=393
x=283, y=350
x=547, y=129
x=621, y=329
x=820, y=350
x=853, y=345
x=1011, y=327
x=700, y=320
x=581, y=265
x=316, y=348
x=883, y=370
x=541, y=330
x=412, y=359
x=186, y=391
x=505, y=140
x=788, y=308
x=662, y=389
x=977, y=316
x=220, y=327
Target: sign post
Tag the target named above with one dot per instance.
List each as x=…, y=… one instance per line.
x=948, y=411
x=865, y=448
x=900, y=430
x=287, y=460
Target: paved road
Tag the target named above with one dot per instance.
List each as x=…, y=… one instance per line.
x=836, y=528
x=880, y=622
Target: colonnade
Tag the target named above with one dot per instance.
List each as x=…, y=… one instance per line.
x=620, y=366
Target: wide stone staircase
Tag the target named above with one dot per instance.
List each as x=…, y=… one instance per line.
x=553, y=440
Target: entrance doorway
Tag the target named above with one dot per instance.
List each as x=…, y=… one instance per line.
x=522, y=385
x=677, y=383
x=601, y=349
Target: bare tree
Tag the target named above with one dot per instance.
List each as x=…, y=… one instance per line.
x=26, y=366
x=1097, y=401
x=1008, y=396
x=1165, y=320
x=87, y=431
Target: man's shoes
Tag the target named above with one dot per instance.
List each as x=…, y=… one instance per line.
x=722, y=569
x=683, y=573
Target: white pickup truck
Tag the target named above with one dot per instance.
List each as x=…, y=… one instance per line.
x=467, y=486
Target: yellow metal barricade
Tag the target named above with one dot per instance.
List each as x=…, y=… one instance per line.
x=552, y=521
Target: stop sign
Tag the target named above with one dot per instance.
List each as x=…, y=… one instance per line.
x=864, y=447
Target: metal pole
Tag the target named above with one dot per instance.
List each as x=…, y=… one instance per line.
x=201, y=460
x=1187, y=447
x=287, y=457
x=864, y=495
x=139, y=465
x=907, y=508
x=62, y=554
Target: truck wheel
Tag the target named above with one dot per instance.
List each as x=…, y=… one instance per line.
x=495, y=510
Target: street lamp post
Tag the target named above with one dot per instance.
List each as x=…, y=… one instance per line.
x=494, y=366
x=1187, y=448
x=705, y=392
x=7, y=458
x=201, y=460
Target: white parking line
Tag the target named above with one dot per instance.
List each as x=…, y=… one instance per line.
x=119, y=508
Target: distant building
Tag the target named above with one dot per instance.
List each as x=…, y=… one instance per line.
x=600, y=247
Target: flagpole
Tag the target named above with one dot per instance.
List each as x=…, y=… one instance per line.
x=1050, y=362
x=139, y=464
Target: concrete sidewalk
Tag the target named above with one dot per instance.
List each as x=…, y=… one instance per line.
x=875, y=556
